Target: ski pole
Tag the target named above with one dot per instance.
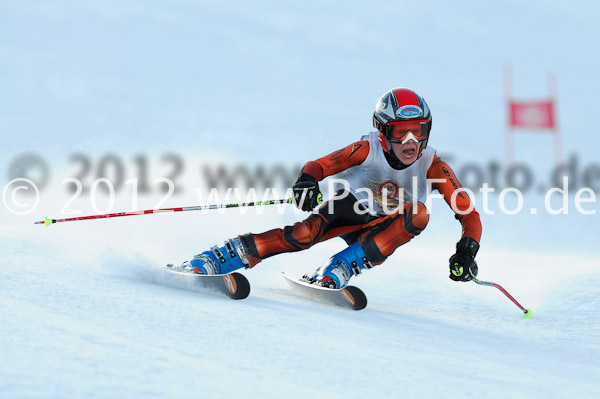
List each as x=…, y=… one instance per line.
x=48, y=221
x=526, y=312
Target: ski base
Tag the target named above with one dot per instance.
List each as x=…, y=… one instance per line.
x=350, y=297
x=234, y=285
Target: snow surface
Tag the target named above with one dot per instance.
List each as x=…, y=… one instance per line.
x=116, y=325
x=87, y=312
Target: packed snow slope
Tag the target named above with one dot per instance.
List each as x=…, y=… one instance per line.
x=81, y=321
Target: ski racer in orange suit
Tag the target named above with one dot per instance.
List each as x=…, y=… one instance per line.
x=383, y=183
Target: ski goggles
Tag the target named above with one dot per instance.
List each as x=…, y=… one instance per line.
x=401, y=132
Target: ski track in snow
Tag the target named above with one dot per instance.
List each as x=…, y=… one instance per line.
x=122, y=326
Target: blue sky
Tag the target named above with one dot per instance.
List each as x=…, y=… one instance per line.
x=150, y=74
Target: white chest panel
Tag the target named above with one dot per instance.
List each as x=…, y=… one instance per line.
x=388, y=187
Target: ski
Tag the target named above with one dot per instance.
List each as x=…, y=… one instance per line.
x=234, y=285
x=350, y=297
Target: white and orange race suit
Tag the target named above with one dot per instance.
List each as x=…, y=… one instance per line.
x=391, y=209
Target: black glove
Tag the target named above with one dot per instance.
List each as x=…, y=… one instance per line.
x=306, y=192
x=462, y=264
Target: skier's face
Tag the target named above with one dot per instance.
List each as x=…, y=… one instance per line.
x=407, y=153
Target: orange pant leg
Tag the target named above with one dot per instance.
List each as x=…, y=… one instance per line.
x=316, y=228
x=384, y=235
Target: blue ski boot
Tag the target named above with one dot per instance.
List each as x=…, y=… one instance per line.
x=223, y=260
x=343, y=265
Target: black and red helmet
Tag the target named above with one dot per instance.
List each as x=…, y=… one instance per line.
x=401, y=110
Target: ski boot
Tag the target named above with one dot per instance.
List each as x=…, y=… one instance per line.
x=223, y=260
x=343, y=265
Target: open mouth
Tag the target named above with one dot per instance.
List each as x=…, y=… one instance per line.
x=410, y=152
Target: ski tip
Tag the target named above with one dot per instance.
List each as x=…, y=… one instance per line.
x=237, y=285
x=527, y=314
x=358, y=299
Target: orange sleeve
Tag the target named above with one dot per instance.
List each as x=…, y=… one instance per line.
x=334, y=163
x=470, y=221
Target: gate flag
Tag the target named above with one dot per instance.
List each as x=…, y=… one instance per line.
x=532, y=115
x=536, y=114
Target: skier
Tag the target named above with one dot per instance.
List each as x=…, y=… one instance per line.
x=385, y=169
